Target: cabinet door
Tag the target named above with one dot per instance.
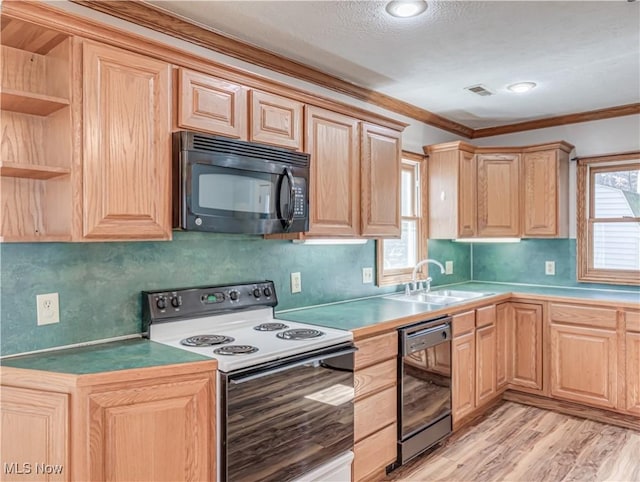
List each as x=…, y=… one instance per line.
x=275, y=120
x=633, y=373
x=34, y=431
x=162, y=431
x=209, y=104
x=380, y=182
x=467, y=202
x=498, y=195
x=334, y=200
x=525, y=335
x=463, y=377
x=584, y=365
x=485, y=364
x=540, y=197
x=503, y=312
x=127, y=145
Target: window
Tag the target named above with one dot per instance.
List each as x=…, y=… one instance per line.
x=397, y=257
x=609, y=219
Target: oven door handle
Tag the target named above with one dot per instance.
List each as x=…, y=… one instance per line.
x=306, y=361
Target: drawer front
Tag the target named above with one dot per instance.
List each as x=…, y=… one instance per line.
x=374, y=412
x=376, y=349
x=486, y=316
x=374, y=378
x=583, y=315
x=463, y=323
x=633, y=320
x=374, y=453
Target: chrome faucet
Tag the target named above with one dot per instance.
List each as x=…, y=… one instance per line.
x=414, y=275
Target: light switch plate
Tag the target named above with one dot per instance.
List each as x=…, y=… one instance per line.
x=48, y=309
x=296, y=283
x=550, y=268
x=448, y=267
x=367, y=275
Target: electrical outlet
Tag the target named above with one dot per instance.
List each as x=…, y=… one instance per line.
x=448, y=267
x=550, y=268
x=47, y=308
x=296, y=283
x=367, y=275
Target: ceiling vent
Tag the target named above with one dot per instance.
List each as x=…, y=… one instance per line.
x=479, y=89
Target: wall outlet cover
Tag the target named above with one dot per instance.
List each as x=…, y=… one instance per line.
x=296, y=283
x=448, y=267
x=367, y=275
x=550, y=268
x=48, y=309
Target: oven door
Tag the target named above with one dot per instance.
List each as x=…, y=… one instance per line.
x=286, y=419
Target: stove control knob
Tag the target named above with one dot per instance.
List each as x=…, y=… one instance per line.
x=257, y=293
x=161, y=303
x=176, y=302
x=267, y=291
x=234, y=295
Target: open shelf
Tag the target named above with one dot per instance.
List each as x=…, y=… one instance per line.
x=30, y=37
x=60, y=238
x=30, y=102
x=31, y=171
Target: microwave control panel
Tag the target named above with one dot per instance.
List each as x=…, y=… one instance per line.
x=298, y=202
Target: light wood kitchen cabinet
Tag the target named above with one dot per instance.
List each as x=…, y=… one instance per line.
x=210, y=104
x=463, y=365
x=632, y=361
x=36, y=154
x=498, y=195
x=503, y=312
x=486, y=351
x=127, y=145
x=275, y=120
x=375, y=407
x=332, y=140
x=35, y=430
x=525, y=345
x=153, y=423
x=545, y=193
x=380, y=181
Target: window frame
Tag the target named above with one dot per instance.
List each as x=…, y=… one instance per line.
x=398, y=276
x=587, y=168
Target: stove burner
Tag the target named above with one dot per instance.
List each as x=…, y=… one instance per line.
x=235, y=350
x=206, y=340
x=270, y=327
x=299, y=334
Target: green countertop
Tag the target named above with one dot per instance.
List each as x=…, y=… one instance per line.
x=106, y=357
x=354, y=315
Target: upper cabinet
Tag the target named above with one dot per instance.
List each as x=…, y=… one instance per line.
x=36, y=120
x=498, y=192
x=275, y=120
x=127, y=145
x=210, y=104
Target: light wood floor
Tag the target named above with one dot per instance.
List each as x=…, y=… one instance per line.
x=521, y=443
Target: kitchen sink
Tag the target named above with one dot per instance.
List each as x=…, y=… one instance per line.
x=439, y=298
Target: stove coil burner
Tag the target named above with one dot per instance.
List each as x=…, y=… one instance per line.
x=299, y=334
x=235, y=350
x=206, y=340
x=270, y=327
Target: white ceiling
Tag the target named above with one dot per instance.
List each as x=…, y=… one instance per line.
x=584, y=55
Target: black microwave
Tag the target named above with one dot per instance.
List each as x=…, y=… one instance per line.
x=224, y=185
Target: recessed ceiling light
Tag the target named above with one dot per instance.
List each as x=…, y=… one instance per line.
x=521, y=87
x=406, y=8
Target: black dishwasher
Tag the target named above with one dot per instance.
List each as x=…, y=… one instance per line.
x=424, y=386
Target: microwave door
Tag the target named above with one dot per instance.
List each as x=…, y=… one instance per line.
x=286, y=201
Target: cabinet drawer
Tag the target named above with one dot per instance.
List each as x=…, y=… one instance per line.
x=376, y=349
x=375, y=377
x=633, y=320
x=374, y=453
x=486, y=316
x=583, y=315
x=463, y=323
x=374, y=412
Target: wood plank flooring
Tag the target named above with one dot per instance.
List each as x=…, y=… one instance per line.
x=522, y=443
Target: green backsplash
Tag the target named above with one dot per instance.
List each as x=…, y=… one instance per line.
x=99, y=284
x=523, y=262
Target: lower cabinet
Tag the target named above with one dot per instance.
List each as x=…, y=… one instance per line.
x=147, y=424
x=525, y=345
x=463, y=380
x=375, y=413
x=633, y=372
